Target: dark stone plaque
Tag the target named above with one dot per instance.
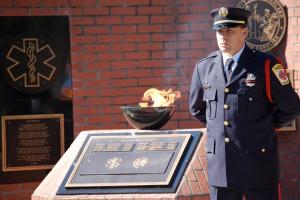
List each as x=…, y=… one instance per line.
x=150, y=162
x=35, y=79
x=31, y=142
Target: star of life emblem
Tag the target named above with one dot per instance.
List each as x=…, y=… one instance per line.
x=29, y=64
x=250, y=80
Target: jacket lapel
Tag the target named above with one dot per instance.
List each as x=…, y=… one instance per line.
x=219, y=68
x=242, y=65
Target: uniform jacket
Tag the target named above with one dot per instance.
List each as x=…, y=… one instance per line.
x=241, y=143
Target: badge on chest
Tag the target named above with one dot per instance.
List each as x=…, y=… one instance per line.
x=250, y=80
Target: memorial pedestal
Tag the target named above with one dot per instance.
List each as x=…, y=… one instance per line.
x=191, y=185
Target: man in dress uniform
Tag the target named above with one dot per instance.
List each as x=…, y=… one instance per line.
x=243, y=96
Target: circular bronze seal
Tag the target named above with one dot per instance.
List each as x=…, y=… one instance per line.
x=29, y=63
x=267, y=24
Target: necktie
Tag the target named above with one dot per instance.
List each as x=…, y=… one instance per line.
x=228, y=68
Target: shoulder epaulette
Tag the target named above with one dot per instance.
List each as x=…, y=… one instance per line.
x=211, y=55
x=262, y=54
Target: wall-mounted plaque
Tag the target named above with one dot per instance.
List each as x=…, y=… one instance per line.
x=267, y=23
x=32, y=142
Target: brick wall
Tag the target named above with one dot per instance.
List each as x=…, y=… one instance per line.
x=120, y=48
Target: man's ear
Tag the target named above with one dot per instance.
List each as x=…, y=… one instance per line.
x=245, y=32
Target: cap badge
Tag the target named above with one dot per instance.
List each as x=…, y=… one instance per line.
x=250, y=80
x=223, y=12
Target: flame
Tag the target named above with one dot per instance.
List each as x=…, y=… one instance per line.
x=159, y=98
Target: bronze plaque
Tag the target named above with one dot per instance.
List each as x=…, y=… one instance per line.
x=32, y=142
x=140, y=160
x=267, y=24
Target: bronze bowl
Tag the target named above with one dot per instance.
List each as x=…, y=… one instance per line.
x=147, y=118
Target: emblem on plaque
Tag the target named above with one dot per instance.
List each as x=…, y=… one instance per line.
x=267, y=24
x=140, y=162
x=30, y=64
x=113, y=163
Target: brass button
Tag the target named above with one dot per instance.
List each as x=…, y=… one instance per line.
x=226, y=123
x=263, y=150
x=227, y=139
x=226, y=106
x=250, y=99
x=226, y=90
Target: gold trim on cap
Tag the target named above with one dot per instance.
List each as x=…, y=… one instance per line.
x=230, y=21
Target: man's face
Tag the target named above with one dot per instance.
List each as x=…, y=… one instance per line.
x=231, y=40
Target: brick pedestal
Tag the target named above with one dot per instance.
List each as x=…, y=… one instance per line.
x=193, y=185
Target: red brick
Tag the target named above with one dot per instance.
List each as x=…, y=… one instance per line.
x=124, y=82
x=202, y=181
x=176, y=28
x=82, y=21
x=199, y=9
x=124, y=29
x=82, y=3
x=139, y=73
x=84, y=39
x=55, y=2
x=124, y=100
x=113, y=38
x=136, y=55
x=109, y=20
x=163, y=37
x=14, y=12
x=185, y=188
x=10, y=187
x=150, y=63
x=166, y=71
x=123, y=10
x=189, y=36
x=94, y=10
x=135, y=19
x=146, y=10
x=42, y=11
x=85, y=75
x=191, y=176
x=86, y=110
x=150, y=28
x=84, y=57
x=111, y=2
x=99, y=119
x=138, y=38
x=138, y=2
x=179, y=10
x=123, y=47
x=6, y=3
x=97, y=101
x=194, y=18
x=164, y=54
x=124, y=64
x=150, y=46
x=110, y=56
x=96, y=48
x=85, y=92
x=96, y=83
x=70, y=11
x=113, y=74
x=97, y=65
x=177, y=45
x=25, y=3
x=29, y=186
x=191, y=54
x=19, y=195
x=162, y=19
x=195, y=188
